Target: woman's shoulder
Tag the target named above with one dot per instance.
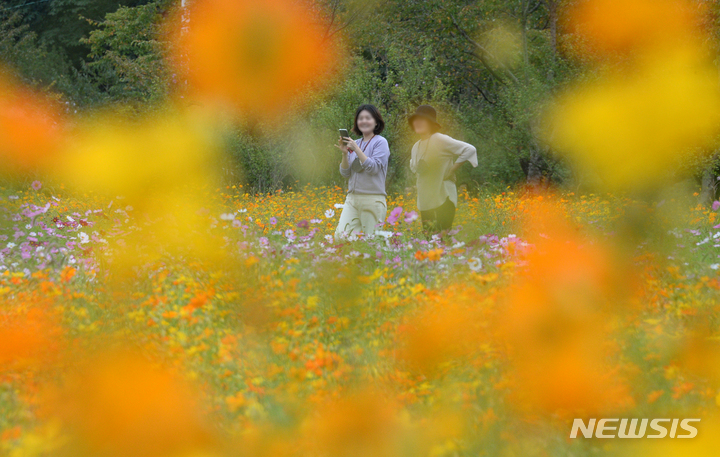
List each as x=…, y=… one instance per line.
x=379, y=140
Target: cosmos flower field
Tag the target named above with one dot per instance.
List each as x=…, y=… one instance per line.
x=295, y=344
x=151, y=306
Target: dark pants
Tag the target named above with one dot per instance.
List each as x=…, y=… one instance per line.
x=438, y=219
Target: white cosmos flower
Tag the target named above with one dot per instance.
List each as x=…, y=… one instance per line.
x=339, y=205
x=475, y=264
x=84, y=238
x=329, y=213
x=227, y=216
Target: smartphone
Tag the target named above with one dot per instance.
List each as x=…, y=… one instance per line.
x=344, y=133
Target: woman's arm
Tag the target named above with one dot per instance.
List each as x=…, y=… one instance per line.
x=372, y=165
x=344, y=163
x=345, y=167
x=463, y=152
x=352, y=145
x=413, y=158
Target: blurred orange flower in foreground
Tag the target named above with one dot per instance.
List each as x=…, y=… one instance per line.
x=251, y=56
x=451, y=326
x=626, y=25
x=363, y=423
x=121, y=405
x=558, y=320
x=30, y=128
x=27, y=339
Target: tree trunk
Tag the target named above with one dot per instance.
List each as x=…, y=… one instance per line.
x=524, y=31
x=553, y=20
x=707, y=194
x=534, y=172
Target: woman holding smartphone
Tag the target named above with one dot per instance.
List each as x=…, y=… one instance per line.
x=364, y=164
x=435, y=159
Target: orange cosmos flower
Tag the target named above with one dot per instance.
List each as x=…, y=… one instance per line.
x=621, y=26
x=253, y=56
x=359, y=424
x=27, y=339
x=30, y=128
x=451, y=326
x=557, y=323
x=121, y=404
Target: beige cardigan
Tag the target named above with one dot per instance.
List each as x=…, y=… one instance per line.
x=431, y=159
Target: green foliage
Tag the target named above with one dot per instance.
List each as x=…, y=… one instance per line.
x=126, y=58
x=488, y=67
x=27, y=59
x=494, y=89
x=121, y=55
x=61, y=24
x=301, y=148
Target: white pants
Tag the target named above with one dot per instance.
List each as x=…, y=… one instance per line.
x=361, y=213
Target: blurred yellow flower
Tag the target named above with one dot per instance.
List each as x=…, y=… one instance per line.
x=630, y=121
x=631, y=128
x=156, y=170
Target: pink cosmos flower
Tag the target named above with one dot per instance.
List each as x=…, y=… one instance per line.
x=394, y=215
x=412, y=216
x=37, y=185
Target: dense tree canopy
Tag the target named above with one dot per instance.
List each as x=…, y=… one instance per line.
x=489, y=66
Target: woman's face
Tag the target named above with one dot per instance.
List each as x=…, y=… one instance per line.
x=422, y=126
x=366, y=123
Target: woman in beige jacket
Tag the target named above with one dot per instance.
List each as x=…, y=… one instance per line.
x=435, y=159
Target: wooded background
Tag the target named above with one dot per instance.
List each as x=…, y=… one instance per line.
x=489, y=66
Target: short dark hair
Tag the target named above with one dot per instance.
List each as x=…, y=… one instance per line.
x=375, y=113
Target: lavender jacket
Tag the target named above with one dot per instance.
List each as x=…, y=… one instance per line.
x=368, y=178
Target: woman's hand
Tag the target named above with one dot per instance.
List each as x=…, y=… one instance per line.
x=351, y=144
x=342, y=146
x=450, y=174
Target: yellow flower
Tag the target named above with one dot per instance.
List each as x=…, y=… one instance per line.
x=631, y=128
